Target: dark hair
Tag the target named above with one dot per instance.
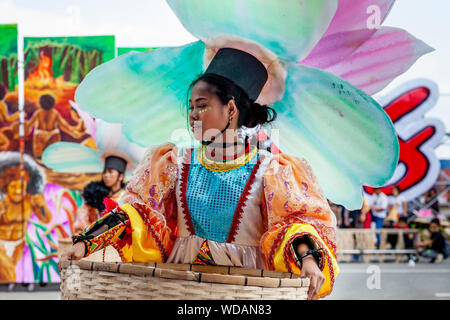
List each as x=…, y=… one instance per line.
x=250, y=112
x=3, y=91
x=396, y=187
x=436, y=220
x=404, y=219
x=94, y=193
x=46, y=101
x=122, y=183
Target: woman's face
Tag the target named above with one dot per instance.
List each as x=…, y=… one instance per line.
x=207, y=116
x=434, y=227
x=110, y=177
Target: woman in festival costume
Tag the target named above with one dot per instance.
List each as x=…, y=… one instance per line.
x=229, y=191
x=227, y=202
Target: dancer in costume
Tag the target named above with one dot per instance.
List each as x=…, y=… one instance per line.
x=221, y=189
x=115, y=158
x=111, y=186
x=114, y=175
x=227, y=202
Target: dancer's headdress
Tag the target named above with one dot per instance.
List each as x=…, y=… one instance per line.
x=243, y=69
x=116, y=163
x=308, y=48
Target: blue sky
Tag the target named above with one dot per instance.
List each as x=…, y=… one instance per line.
x=147, y=23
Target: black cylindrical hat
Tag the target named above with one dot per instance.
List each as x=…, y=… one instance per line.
x=114, y=162
x=242, y=68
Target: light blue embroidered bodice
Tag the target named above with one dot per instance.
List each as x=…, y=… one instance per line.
x=212, y=197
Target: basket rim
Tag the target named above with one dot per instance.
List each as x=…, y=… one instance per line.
x=198, y=273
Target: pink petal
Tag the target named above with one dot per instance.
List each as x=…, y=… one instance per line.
x=336, y=48
x=353, y=15
x=347, y=31
x=386, y=55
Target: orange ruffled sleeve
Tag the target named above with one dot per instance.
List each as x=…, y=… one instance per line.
x=150, y=205
x=295, y=206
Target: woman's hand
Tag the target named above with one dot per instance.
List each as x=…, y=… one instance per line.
x=76, y=252
x=311, y=270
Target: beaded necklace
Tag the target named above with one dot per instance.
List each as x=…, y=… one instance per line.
x=228, y=165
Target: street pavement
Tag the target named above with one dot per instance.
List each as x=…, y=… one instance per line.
x=392, y=281
x=356, y=281
x=20, y=292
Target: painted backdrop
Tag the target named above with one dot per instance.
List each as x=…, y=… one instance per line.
x=33, y=221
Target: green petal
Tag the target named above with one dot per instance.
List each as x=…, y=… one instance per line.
x=72, y=157
x=289, y=28
x=343, y=133
x=145, y=91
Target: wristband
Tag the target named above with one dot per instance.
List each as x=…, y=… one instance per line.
x=312, y=252
x=84, y=239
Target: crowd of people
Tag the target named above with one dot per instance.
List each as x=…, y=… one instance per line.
x=382, y=211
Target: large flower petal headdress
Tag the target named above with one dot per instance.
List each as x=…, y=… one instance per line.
x=339, y=129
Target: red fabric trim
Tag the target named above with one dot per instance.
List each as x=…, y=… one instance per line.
x=243, y=198
x=321, y=229
x=326, y=256
x=126, y=240
x=183, y=189
x=332, y=276
x=155, y=226
x=159, y=243
x=289, y=255
x=104, y=239
x=118, y=248
x=276, y=243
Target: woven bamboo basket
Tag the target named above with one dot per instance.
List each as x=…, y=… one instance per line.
x=92, y=280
